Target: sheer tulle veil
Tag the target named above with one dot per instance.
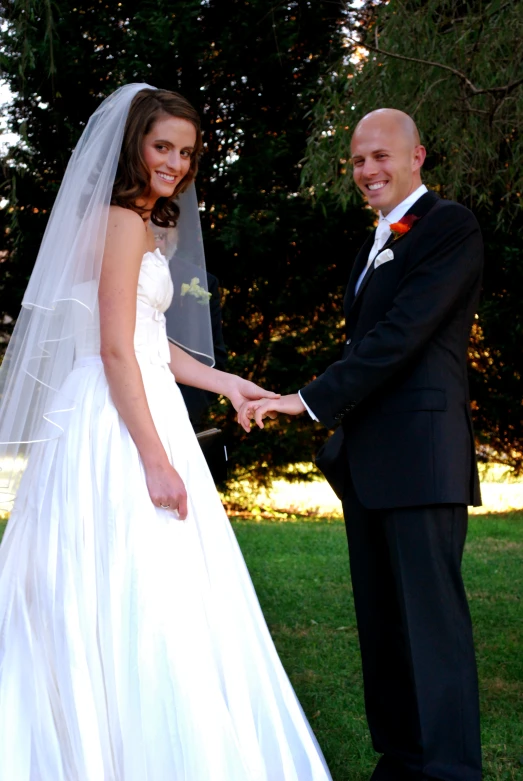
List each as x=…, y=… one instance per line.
x=61, y=297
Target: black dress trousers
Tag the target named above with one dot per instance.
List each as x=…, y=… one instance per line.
x=419, y=667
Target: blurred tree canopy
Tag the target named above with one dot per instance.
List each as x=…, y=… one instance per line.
x=457, y=68
x=251, y=67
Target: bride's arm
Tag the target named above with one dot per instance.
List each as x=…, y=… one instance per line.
x=190, y=371
x=124, y=249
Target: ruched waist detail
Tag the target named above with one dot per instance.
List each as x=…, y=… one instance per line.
x=150, y=336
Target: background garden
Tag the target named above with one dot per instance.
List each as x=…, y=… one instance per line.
x=280, y=86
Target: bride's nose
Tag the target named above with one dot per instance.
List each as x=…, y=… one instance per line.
x=175, y=161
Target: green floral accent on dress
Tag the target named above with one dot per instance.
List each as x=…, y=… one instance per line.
x=196, y=290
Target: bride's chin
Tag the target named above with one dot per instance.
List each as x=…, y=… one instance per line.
x=160, y=192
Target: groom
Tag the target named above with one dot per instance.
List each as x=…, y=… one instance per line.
x=402, y=458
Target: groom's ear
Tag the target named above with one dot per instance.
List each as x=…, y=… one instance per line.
x=418, y=158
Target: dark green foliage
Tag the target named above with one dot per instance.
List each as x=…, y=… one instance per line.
x=252, y=69
x=496, y=350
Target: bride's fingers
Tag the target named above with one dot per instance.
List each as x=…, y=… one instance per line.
x=244, y=417
x=255, y=411
x=244, y=422
x=182, y=508
x=247, y=412
x=261, y=413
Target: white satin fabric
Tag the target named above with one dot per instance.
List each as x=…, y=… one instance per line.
x=132, y=645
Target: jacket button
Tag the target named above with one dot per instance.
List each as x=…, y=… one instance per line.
x=348, y=341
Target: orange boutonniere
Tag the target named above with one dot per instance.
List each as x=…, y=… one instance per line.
x=403, y=226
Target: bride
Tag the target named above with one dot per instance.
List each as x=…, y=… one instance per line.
x=132, y=645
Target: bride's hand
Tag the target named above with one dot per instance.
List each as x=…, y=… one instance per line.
x=269, y=408
x=241, y=391
x=166, y=489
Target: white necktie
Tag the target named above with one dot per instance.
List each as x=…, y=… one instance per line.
x=381, y=236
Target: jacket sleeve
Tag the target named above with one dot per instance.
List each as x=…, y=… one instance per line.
x=445, y=266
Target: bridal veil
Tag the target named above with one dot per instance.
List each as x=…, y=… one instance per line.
x=61, y=297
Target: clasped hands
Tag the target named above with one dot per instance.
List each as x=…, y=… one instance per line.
x=259, y=409
x=252, y=402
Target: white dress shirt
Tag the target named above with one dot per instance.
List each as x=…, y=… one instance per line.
x=383, y=228
x=381, y=238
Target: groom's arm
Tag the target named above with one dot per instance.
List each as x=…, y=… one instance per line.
x=446, y=269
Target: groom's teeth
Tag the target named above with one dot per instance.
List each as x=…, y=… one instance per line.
x=377, y=186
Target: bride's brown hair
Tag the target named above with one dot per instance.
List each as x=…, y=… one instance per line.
x=132, y=175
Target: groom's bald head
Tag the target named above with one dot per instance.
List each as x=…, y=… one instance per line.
x=390, y=120
x=387, y=157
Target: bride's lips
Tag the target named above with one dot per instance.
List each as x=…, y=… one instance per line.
x=167, y=178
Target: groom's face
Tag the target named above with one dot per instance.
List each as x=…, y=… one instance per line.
x=386, y=162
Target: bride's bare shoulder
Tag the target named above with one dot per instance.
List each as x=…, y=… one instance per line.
x=126, y=232
x=120, y=217
x=125, y=242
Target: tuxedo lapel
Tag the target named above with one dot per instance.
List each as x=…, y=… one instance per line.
x=419, y=209
x=423, y=205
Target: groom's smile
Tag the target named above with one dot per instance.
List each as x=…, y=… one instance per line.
x=386, y=159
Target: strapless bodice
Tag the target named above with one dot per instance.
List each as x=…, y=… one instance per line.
x=155, y=287
x=154, y=295
x=155, y=292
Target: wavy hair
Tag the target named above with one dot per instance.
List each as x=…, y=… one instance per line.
x=132, y=175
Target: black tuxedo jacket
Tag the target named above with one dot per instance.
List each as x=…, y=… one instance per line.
x=400, y=390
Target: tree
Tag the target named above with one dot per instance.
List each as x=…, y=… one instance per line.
x=456, y=67
x=252, y=68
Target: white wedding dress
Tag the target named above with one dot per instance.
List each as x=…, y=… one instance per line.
x=132, y=645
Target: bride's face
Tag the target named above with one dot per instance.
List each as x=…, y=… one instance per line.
x=167, y=151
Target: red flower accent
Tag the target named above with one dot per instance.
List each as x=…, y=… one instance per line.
x=404, y=225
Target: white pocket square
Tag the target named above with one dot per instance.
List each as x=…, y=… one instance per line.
x=383, y=257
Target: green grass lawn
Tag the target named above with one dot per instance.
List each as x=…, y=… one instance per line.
x=301, y=574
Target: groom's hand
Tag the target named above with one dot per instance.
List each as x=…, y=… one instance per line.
x=269, y=408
